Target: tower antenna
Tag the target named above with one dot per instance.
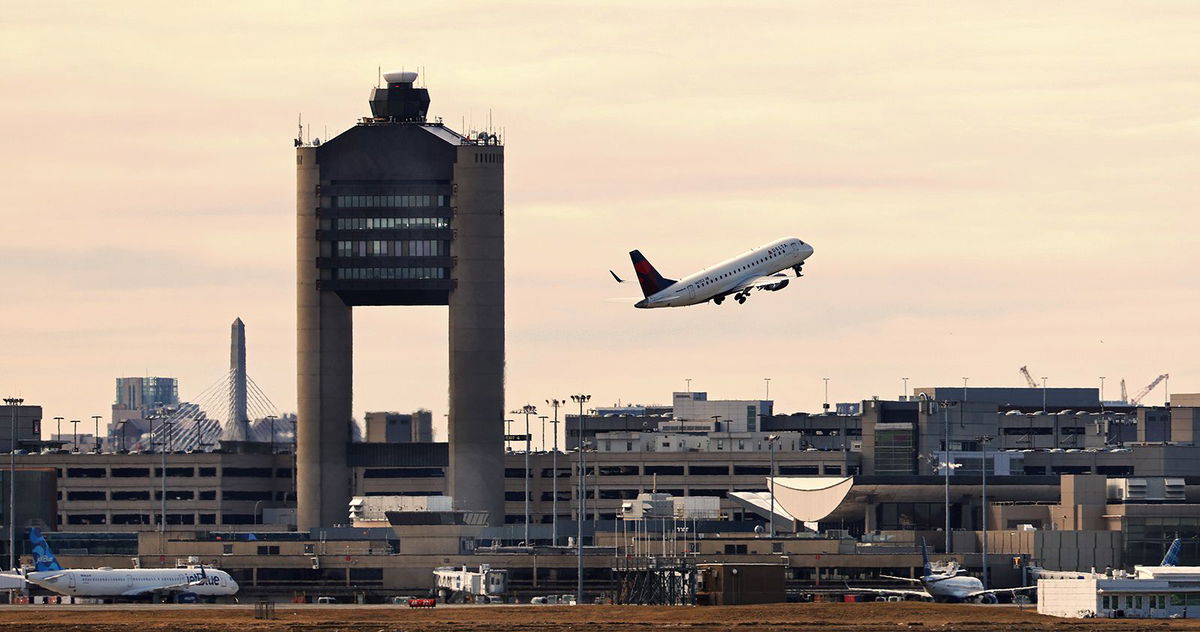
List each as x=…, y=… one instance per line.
x=379, y=76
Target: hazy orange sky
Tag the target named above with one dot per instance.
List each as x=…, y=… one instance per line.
x=986, y=186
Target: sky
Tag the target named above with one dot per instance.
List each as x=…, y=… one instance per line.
x=986, y=186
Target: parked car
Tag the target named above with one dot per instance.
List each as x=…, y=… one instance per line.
x=327, y=600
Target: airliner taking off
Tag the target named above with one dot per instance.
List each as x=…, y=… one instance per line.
x=761, y=269
x=129, y=583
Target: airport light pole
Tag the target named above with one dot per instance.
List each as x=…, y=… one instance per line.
x=983, y=441
x=1043, y=394
x=75, y=437
x=13, y=404
x=543, y=418
x=162, y=509
x=96, y=438
x=946, y=465
x=58, y=427
x=554, y=403
x=771, y=488
x=768, y=381
x=581, y=400
x=1101, y=393
x=904, y=389
x=825, y=406
x=527, y=410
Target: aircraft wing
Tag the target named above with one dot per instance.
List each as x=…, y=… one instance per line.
x=913, y=580
x=161, y=589
x=892, y=591
x=993, y=591
x=772, y=281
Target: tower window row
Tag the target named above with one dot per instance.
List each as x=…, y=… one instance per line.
x=388, y=248
x=383, y=201
x=364, y=274
x=369, y=223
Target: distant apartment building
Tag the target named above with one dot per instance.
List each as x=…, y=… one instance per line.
x=392, y=427
x=137, y=398
x=24, y=423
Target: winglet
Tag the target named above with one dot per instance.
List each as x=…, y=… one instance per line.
x=1172, y=556
x=614, y=274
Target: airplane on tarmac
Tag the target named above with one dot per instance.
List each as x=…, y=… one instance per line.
x=945, y=583
x=185, y=584
x=761, y=269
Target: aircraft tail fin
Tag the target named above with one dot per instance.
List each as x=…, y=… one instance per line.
x=42, y=555
x=1172, y=556
x=651, y=281
x=925, y=557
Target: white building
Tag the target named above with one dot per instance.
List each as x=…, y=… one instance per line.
x=1151, y=592
x=734, y=415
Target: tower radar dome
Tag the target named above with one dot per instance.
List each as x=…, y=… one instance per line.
x=398, y=76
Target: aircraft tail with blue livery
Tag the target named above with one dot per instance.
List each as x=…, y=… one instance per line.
x=43, y=557
x=1172, y=556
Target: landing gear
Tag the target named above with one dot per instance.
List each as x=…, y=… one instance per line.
x=798, y=269
x=740, y=298
x=718, y=300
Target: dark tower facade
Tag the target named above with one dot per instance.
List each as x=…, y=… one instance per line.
x=399, y=211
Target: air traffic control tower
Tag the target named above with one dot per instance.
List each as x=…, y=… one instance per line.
x=399, y=211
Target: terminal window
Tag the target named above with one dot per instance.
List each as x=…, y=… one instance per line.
x=895, y=450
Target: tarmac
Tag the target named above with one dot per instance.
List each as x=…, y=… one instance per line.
x=812, y=617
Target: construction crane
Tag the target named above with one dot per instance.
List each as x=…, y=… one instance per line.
x=1146, y=391
x=1124, y=394
x=1028, y=377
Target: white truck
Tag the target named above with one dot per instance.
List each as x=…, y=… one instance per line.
x=462, y=585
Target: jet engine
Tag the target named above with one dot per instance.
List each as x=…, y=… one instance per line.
x=775, y=287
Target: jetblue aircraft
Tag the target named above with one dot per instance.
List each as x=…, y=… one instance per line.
x=183, y=583
x=761, y=269
x=946, y=583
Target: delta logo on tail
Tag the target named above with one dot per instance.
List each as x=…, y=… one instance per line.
x=651, y=281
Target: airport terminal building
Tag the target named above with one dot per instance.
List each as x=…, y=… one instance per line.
x=1080, y=497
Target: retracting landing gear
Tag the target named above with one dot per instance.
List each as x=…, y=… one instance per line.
x=740, y=297
x=717, y=300
x=798, y=269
